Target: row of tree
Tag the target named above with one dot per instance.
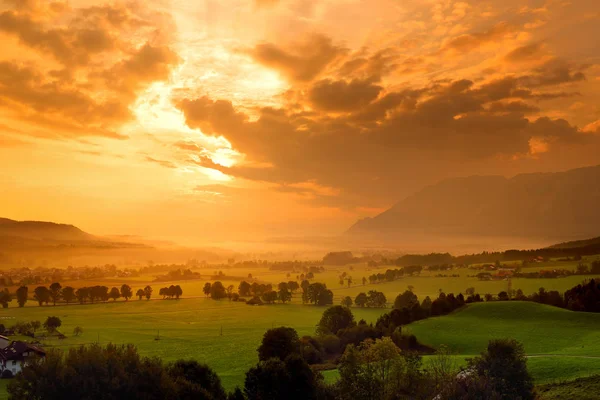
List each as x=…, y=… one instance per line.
x=55, y=292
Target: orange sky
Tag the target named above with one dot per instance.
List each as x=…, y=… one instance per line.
x=231, y=119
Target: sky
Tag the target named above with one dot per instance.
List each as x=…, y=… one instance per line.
x=221, y=120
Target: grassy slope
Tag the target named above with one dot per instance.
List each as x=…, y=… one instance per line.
x=582, y=389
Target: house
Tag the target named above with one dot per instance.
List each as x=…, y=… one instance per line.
x=4, y=342
x=14, y=356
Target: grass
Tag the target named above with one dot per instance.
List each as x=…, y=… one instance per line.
x=189, y=328
x=582, y=389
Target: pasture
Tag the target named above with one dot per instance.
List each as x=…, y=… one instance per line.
x=225, y=334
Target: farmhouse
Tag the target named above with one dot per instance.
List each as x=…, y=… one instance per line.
x=14, y=356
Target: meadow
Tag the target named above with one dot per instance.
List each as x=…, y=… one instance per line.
x=225, y=334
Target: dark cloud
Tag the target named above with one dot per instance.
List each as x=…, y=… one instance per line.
x=302, y=61
x=378, y=141
x=343, y=96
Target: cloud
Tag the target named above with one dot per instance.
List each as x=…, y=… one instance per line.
x=301, y=61
x=471, y=41
x=94, y=63
x=162, y=163
x=343, y=96
x=526, y=53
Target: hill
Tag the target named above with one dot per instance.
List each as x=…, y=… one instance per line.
x=536, y=205
x=561, y=344
x=39, y=230
x=578, y=244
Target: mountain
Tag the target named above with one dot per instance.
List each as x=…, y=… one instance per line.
x=578, y=244
x=38, y=230
x=559, y=205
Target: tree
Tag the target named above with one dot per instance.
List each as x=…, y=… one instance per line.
x=114, y=293
x=291, y=379
x=284, y=295
x=376, y=299
x=126, y=292
x=148, y=292
x=178, y=292
x=119, y=372
x=42, y=294
x=361, y=300
x=293, y=286
x=334, y=319
x=317, y=293
x=279, y=343
x=207, y=288
x=201, y=378
x=52, y=324
x=230, y=291
x=140, y=293
x=406, y=300
x=364, y=281
x=82, y=294
x=243, y=289
x=269, y=297
x=77, y=331
x=217, y=291
x=5, y=298
x=55, y=292
x=22, y=293
x=68, y=293
x=504, y=363
x=347, y=301
x=35, y=325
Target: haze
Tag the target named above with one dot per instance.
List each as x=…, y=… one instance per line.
x=228, y=120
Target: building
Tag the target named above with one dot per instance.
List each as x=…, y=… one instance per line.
x=4, y=342
x=14, y=356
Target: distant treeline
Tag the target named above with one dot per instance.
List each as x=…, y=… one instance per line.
x=55, y=292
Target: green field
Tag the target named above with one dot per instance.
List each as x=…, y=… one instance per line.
x=561, y=344
x=191, y=327
x=188, y=328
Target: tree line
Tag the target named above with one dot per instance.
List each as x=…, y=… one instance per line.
x=56, y=292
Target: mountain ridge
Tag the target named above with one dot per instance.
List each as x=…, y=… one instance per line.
x=532, y=204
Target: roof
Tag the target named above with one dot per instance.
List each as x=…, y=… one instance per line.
x=15, y=350
x=4, y=337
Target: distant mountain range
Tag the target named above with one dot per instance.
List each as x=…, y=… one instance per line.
x=560, y=205
x=38, y=230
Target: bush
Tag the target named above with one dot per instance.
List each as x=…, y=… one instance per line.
x=255, y=301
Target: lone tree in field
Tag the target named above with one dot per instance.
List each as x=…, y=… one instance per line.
x=126, y=292
x=68, y=294
x=140, y=293
x=55, y=292
x=334, y=319
x=52, y=324
x=279, y=343
x=22, y=293
x=148, y=292
x=114, y=293
x=77, y=331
